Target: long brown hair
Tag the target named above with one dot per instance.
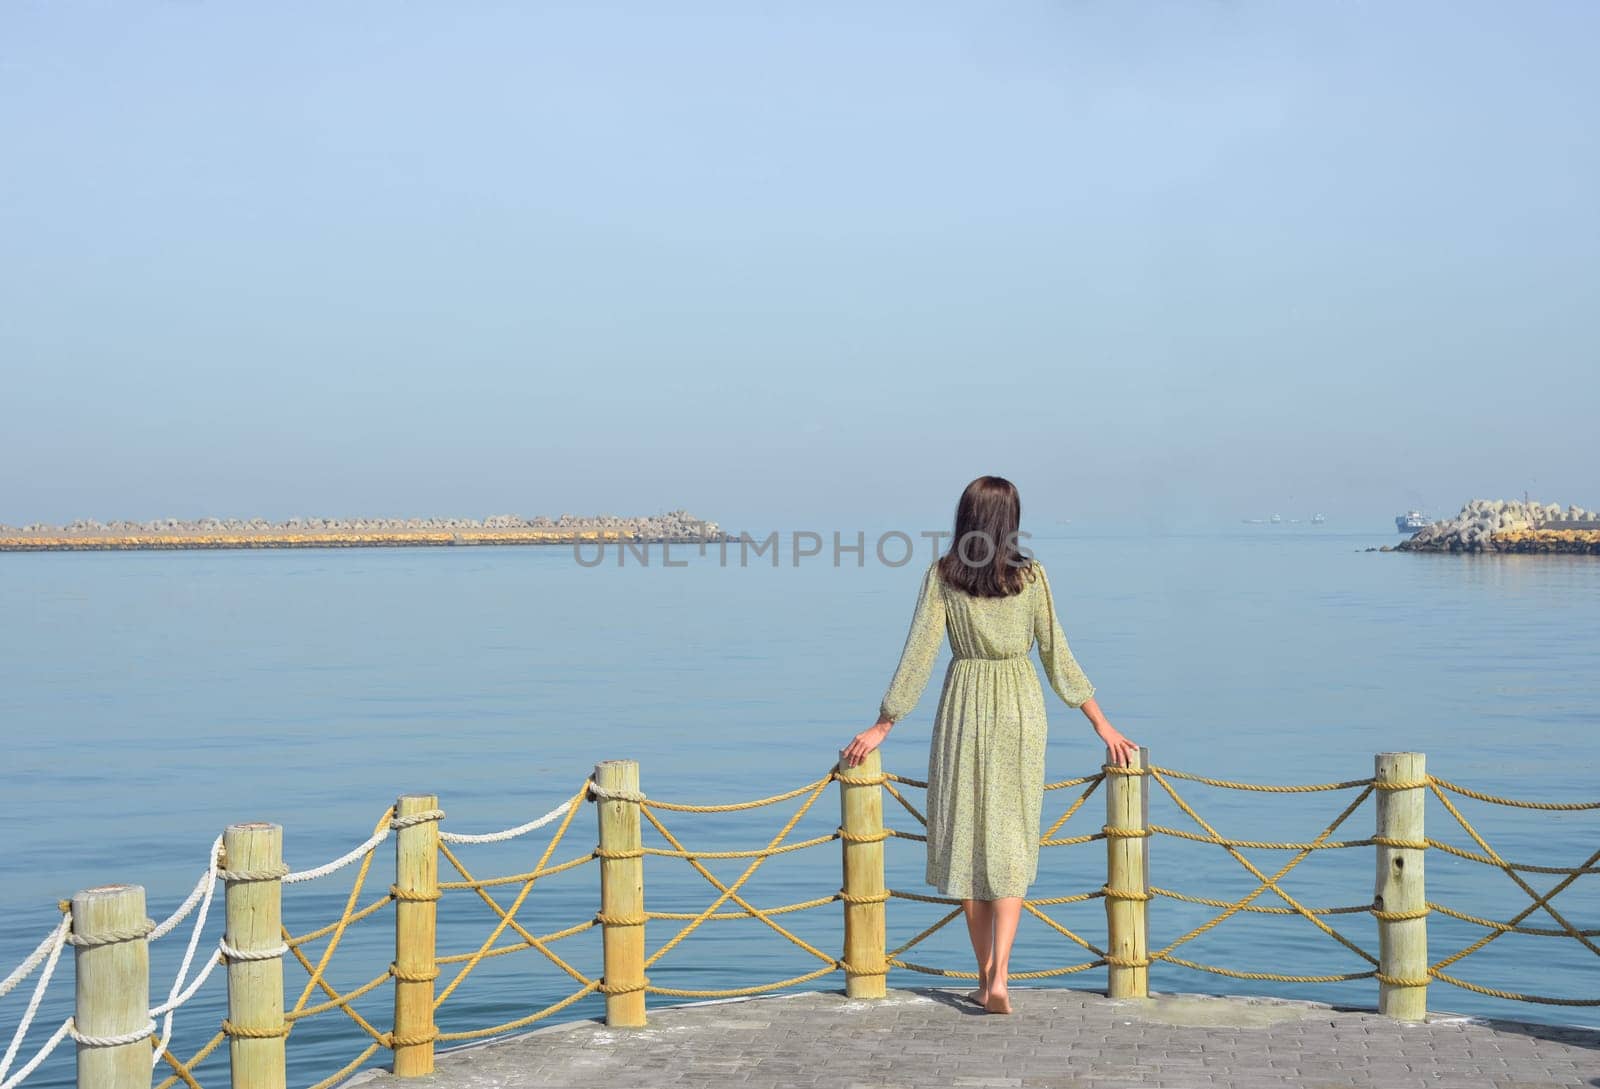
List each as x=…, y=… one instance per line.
x=985, y=558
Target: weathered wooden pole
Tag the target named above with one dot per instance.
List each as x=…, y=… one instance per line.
x=621, y=915
x=864, y=894
x=1399, y=900
x=416, y=909
x=253, y=946
x=1127, y=885
x=111, y=1020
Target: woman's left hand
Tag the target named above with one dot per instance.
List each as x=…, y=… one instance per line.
x=865, y=742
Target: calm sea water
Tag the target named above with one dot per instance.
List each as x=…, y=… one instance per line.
x=149, y=699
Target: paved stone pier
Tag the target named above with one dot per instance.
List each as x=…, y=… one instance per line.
x=932, y=1038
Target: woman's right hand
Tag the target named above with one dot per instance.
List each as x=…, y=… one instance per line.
x=1120, y=748
x=865, y=742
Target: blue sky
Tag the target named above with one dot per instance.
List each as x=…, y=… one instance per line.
x=810, y=265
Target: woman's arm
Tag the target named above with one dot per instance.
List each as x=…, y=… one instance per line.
x=1119, y=749
x=1068, y=679
x=911, y=675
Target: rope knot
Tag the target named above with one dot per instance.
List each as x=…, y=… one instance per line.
x=245, y=955
x=404, y=975
x=863, y=837
x=271, y=873
x=605, y=919
x=413, y=896
x=244, y=1032
x=1403, y=784
x=854, y=780
x=596, y=791
x=110, y=937
x=411, y=820
x=1113, y=893
x=87, y=1040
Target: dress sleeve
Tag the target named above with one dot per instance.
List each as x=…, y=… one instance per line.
x=922, y=647
x=1059, y=665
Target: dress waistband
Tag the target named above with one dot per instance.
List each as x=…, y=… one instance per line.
x=988, y=658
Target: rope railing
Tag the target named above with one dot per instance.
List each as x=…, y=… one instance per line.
x=104, y=926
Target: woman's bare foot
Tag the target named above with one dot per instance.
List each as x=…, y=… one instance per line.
x=999, y=1000
x=981, y=995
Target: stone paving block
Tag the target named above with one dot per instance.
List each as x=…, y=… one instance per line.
x=931, y=1038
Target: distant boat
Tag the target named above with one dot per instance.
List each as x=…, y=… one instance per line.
x=1317, y=519
x=1411, y=521
x=1275, y=519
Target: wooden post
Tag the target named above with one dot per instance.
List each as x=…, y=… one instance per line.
x=621, y=892
x=111, y=952
x=1399, y=900
x=416, y=907
x=1127, y=886
x=864, y=894
x=253, y=945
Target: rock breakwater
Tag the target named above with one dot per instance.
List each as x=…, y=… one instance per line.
x=1511, y=525
x=173, y=533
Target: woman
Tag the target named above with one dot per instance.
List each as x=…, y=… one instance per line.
x=986, y=764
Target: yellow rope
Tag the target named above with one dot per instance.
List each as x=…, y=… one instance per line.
x=1353, y=909
x=1541, y=931
x=1297, y=788
x=1497, y=800
x=728, y=891
x=1515, y=996
x=652, y=803
x=1042, y=973
x=901, y=798
x=1262, y=844
x=801, y=906
x=1539, y=901
x=1272, y=977
x=523, y=939
x=740, y=992
x=507, y=916
x=1267, y=882
x=1047, y=839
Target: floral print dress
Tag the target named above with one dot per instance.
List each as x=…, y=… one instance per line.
x=986, y=761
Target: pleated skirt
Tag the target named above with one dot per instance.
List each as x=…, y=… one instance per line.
x=986, y=779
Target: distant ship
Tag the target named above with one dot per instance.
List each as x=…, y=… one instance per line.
x=1411, y=521
x=1275, y=519
x=1317, y=519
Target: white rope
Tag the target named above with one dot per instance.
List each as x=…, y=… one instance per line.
x=201, y=889
x=242, y=955
x=178, y=995
x=597, y=791
x=166, y=1008
x=33, y=1063
x=341, y=862
x=58, y=943
x=36, y=958
x=111, y=1041
x=509, y=833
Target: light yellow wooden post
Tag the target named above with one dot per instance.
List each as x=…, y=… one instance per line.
x=1127, y=885
x=112, y=957
x=864, y=894
x=253, y=945
x=416, y=894
x=621, y=892
x=1399, y=900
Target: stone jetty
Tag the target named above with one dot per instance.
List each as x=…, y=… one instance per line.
x=1510, y=525
x=164, y=533
x=1055, y=1038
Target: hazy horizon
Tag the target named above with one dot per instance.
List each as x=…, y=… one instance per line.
x=1169, y=265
